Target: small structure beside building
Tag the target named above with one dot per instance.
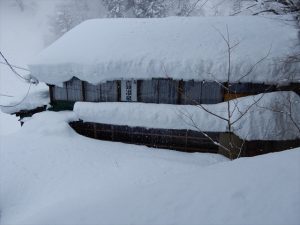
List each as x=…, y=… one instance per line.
x=34, y=102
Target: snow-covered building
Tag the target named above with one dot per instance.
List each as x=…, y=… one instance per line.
x=175, y=61
x=171, y=60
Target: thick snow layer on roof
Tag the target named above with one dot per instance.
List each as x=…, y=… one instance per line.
x=174, y=47
x=267, y=119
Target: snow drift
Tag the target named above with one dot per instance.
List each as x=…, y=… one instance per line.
x=32, y=100
x=51, y=175
x=174, y=47
x=268, y=119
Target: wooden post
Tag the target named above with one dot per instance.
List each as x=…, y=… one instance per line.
x=51, y=87
x=118, y=90
x=83, y=91
x=66, y=84
x=138, y=91
x=95, y=130
x=112, y=132
x=179, y=92
x=157, y=89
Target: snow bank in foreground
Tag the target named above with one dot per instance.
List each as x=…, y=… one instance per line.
x=50, y=124
x=262, y=190
x=62, y=179
x=8, y=124
x=46, y=163
x=176, y=47
x=259, y=123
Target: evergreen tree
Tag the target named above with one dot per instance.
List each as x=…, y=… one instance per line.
x=149, y=8
x=72, y=12
x=115, y=8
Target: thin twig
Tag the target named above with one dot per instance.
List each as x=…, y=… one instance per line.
x=23, y=99
x=17, y=67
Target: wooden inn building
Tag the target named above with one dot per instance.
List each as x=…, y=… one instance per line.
x=178, y=61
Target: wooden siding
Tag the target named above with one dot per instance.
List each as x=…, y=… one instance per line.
x=60, y=93
x=199, y=92
x=250, y=88
x=161, y=90
x=148, y=91
x=165, y=91
x=158, y=91
x=191, y=92
x=74, y=90
x=181, y=140
x=211, y=93
x=104, y=92
x=92, y=92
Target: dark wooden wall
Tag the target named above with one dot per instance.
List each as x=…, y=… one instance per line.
x=200, y=92
x=161, y=90
x=181, y=140
x=166, y=91
x=104, y=92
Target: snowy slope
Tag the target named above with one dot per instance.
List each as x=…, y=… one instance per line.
x=8, y=124
x=173, y=47
x=267, y=119
x=51, y=175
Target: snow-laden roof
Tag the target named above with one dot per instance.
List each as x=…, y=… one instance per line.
x=175, y=47
x=268, y=119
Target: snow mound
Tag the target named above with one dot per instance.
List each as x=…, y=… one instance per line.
x=45, y=165
x=49, y=124
x=268, y=119
x=34, y=99
x=61, y=179
x=175, y=47
x=8, y=124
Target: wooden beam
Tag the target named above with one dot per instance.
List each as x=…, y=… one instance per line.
x=118, y=90
x=83, y=97
x=138, y=91
x=179, y=92
x=51, y=94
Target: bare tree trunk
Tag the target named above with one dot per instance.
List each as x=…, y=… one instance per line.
x=233, y=149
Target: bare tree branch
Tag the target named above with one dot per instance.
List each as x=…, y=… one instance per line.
x=255, y=64
x=192, y=8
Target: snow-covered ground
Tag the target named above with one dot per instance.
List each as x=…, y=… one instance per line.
x=8, y=124
x=51, y=175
